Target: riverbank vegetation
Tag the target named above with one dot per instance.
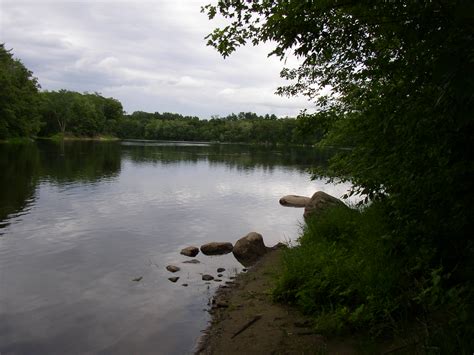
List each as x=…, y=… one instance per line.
x=399, y=79
x=19, y=98
x=28, y=112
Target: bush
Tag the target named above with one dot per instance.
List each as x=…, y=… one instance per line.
x=347, y=273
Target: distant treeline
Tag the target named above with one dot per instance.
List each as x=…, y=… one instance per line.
x=243, y=127
x=27, y=112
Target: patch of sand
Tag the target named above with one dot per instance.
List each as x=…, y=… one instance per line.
x=245, y=320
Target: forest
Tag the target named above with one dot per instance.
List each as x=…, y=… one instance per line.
x=401, y=79
x=27, y=111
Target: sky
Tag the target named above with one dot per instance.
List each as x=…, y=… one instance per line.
x=149, y=54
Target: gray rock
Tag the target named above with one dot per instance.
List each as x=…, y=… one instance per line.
x=279, y=245
x=221, y=269
x=249, y=249
x=137, y=279
x=294, y=201
x=172, y=268
x=190, y=251
x=173, y=279
x=320, y=202
x=192, y=261
x=216, y=248
x=207, y=277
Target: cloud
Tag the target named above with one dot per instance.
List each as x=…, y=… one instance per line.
x=151, y=55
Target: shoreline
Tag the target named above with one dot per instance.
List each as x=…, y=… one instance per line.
x=73, y=138
x=245, y=320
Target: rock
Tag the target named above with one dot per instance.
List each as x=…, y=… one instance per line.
x=207, y=277
x=219, y=275
x=192, y=261
x=190, y=251
x=221, y=304
x=216, y=248
x=249, y=249
x=294, y=201
x=173, y=279
x=185, y=285
x=321, y=201
x=221, y=269
x=137, y=279
x=279, y=245
x=172, y=268
x=217, y=280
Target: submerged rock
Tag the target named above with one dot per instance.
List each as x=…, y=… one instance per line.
x=172, y=268
x=137, y=279
x=221, y=269
x=190, y=251
x=249, y=249
x=192, y=261
x=321, y=201
x=294, y=201
x=173, y=279
x=216, y=248
x=207, y=277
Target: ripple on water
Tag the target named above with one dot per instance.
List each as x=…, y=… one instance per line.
x=69, y=254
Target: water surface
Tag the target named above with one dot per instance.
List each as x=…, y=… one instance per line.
x=80, y=220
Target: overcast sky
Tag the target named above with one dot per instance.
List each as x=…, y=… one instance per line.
x=149, y=54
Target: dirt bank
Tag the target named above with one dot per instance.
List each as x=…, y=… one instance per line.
x=246, y=321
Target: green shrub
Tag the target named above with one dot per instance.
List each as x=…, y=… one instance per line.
x=348, y=272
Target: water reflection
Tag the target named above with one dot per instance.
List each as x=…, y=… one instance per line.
x=23, y=166
x=242, y=157
x=98, y=215
x=88, y=162
x=19, y=166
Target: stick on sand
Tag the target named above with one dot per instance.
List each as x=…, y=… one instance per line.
x=246, y=325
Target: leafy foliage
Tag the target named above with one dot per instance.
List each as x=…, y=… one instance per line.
x=18, y=98
x=27, y=112
x=243, y=127
x=399, y=82
x=79, y=114
x=344, y=272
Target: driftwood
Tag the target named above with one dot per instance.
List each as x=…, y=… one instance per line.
x=246, y=325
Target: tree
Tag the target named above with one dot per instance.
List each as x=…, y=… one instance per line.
x=400, y=80
x=86, y=114
x=18, y=98
x=56, y=111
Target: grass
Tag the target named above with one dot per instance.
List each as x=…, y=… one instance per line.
x=62, y=137
x=348, y=272
x=16, y=140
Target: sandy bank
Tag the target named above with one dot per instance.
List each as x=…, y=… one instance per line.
x=246, y=321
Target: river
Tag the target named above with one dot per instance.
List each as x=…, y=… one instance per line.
x=80, y=220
